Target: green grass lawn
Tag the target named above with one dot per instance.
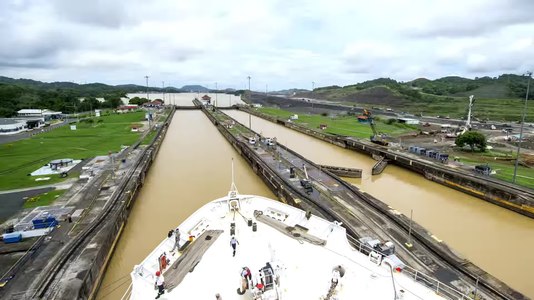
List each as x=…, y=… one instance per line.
x=341, y=125
x=43, y=199
x=23, y=157
x=149, y=137
x=504, y=169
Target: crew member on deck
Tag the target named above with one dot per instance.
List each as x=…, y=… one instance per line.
x=160, y=284
x=234, y=243
x=176, y=239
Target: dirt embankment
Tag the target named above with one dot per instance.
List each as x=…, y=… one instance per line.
x=376, y=95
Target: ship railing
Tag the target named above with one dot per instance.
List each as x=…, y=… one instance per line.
x=439, y=287
x=430, y=282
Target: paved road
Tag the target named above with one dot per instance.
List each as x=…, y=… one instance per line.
x=24, y=135
x=11, y=203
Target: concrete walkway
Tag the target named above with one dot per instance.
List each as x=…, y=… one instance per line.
x=60, y=185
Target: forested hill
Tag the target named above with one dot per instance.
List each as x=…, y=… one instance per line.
x=386, y=90
x=16, y=94
x=504, y=86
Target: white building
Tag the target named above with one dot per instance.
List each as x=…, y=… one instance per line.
x=12, y=126
x=39, y=113
x=408, y=121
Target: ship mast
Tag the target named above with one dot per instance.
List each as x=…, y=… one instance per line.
x=233, y=188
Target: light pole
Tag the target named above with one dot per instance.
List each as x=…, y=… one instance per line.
x=409, y=243
x=163, y=91
x=313, y=86
x=249, y=114
x=216, y=94
x=529, y=74
x=146, y=77
x=147, y=97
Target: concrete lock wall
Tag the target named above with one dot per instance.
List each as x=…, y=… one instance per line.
x=287, y=195
x=116, y=221
x=498, y=192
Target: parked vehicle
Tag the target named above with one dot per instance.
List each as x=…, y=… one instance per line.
x=384, y=252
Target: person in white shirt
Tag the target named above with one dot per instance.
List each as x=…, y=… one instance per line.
x=234, y=243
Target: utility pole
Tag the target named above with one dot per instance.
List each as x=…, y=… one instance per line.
x=163, y=90
x=313, y=87
x=409, y=243
x=249, y=115
x=146, y=77
x=147, y=97
x=529, y=74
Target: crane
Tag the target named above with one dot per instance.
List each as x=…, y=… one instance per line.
x=376, y=137
x=467, y=125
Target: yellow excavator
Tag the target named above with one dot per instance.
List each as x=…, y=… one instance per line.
x=377, y=137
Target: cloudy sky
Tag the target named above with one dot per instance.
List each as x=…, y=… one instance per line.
x=279, y=43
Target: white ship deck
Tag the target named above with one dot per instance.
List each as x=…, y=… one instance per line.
x=304, y=269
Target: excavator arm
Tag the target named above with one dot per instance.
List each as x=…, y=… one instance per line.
x=375, y=138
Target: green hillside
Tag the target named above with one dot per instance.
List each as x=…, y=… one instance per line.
x=499, y=98
x=496, y=90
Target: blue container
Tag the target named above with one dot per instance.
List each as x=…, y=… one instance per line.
x=44, y=222
x=13, y=237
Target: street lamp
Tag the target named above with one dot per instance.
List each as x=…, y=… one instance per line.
x=249, y=114
x=146, y=77
x=529, y=74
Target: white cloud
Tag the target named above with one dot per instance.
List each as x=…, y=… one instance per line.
x=280, y=43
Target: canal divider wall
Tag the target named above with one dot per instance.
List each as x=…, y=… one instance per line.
x=125, y=198
x=507, y=195
x=343, y=172
x=418, y=232
x=104, y=232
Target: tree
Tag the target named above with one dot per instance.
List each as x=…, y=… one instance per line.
x=90, y=103
x=138, y=101
x=473, y=139
x=112, y=101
